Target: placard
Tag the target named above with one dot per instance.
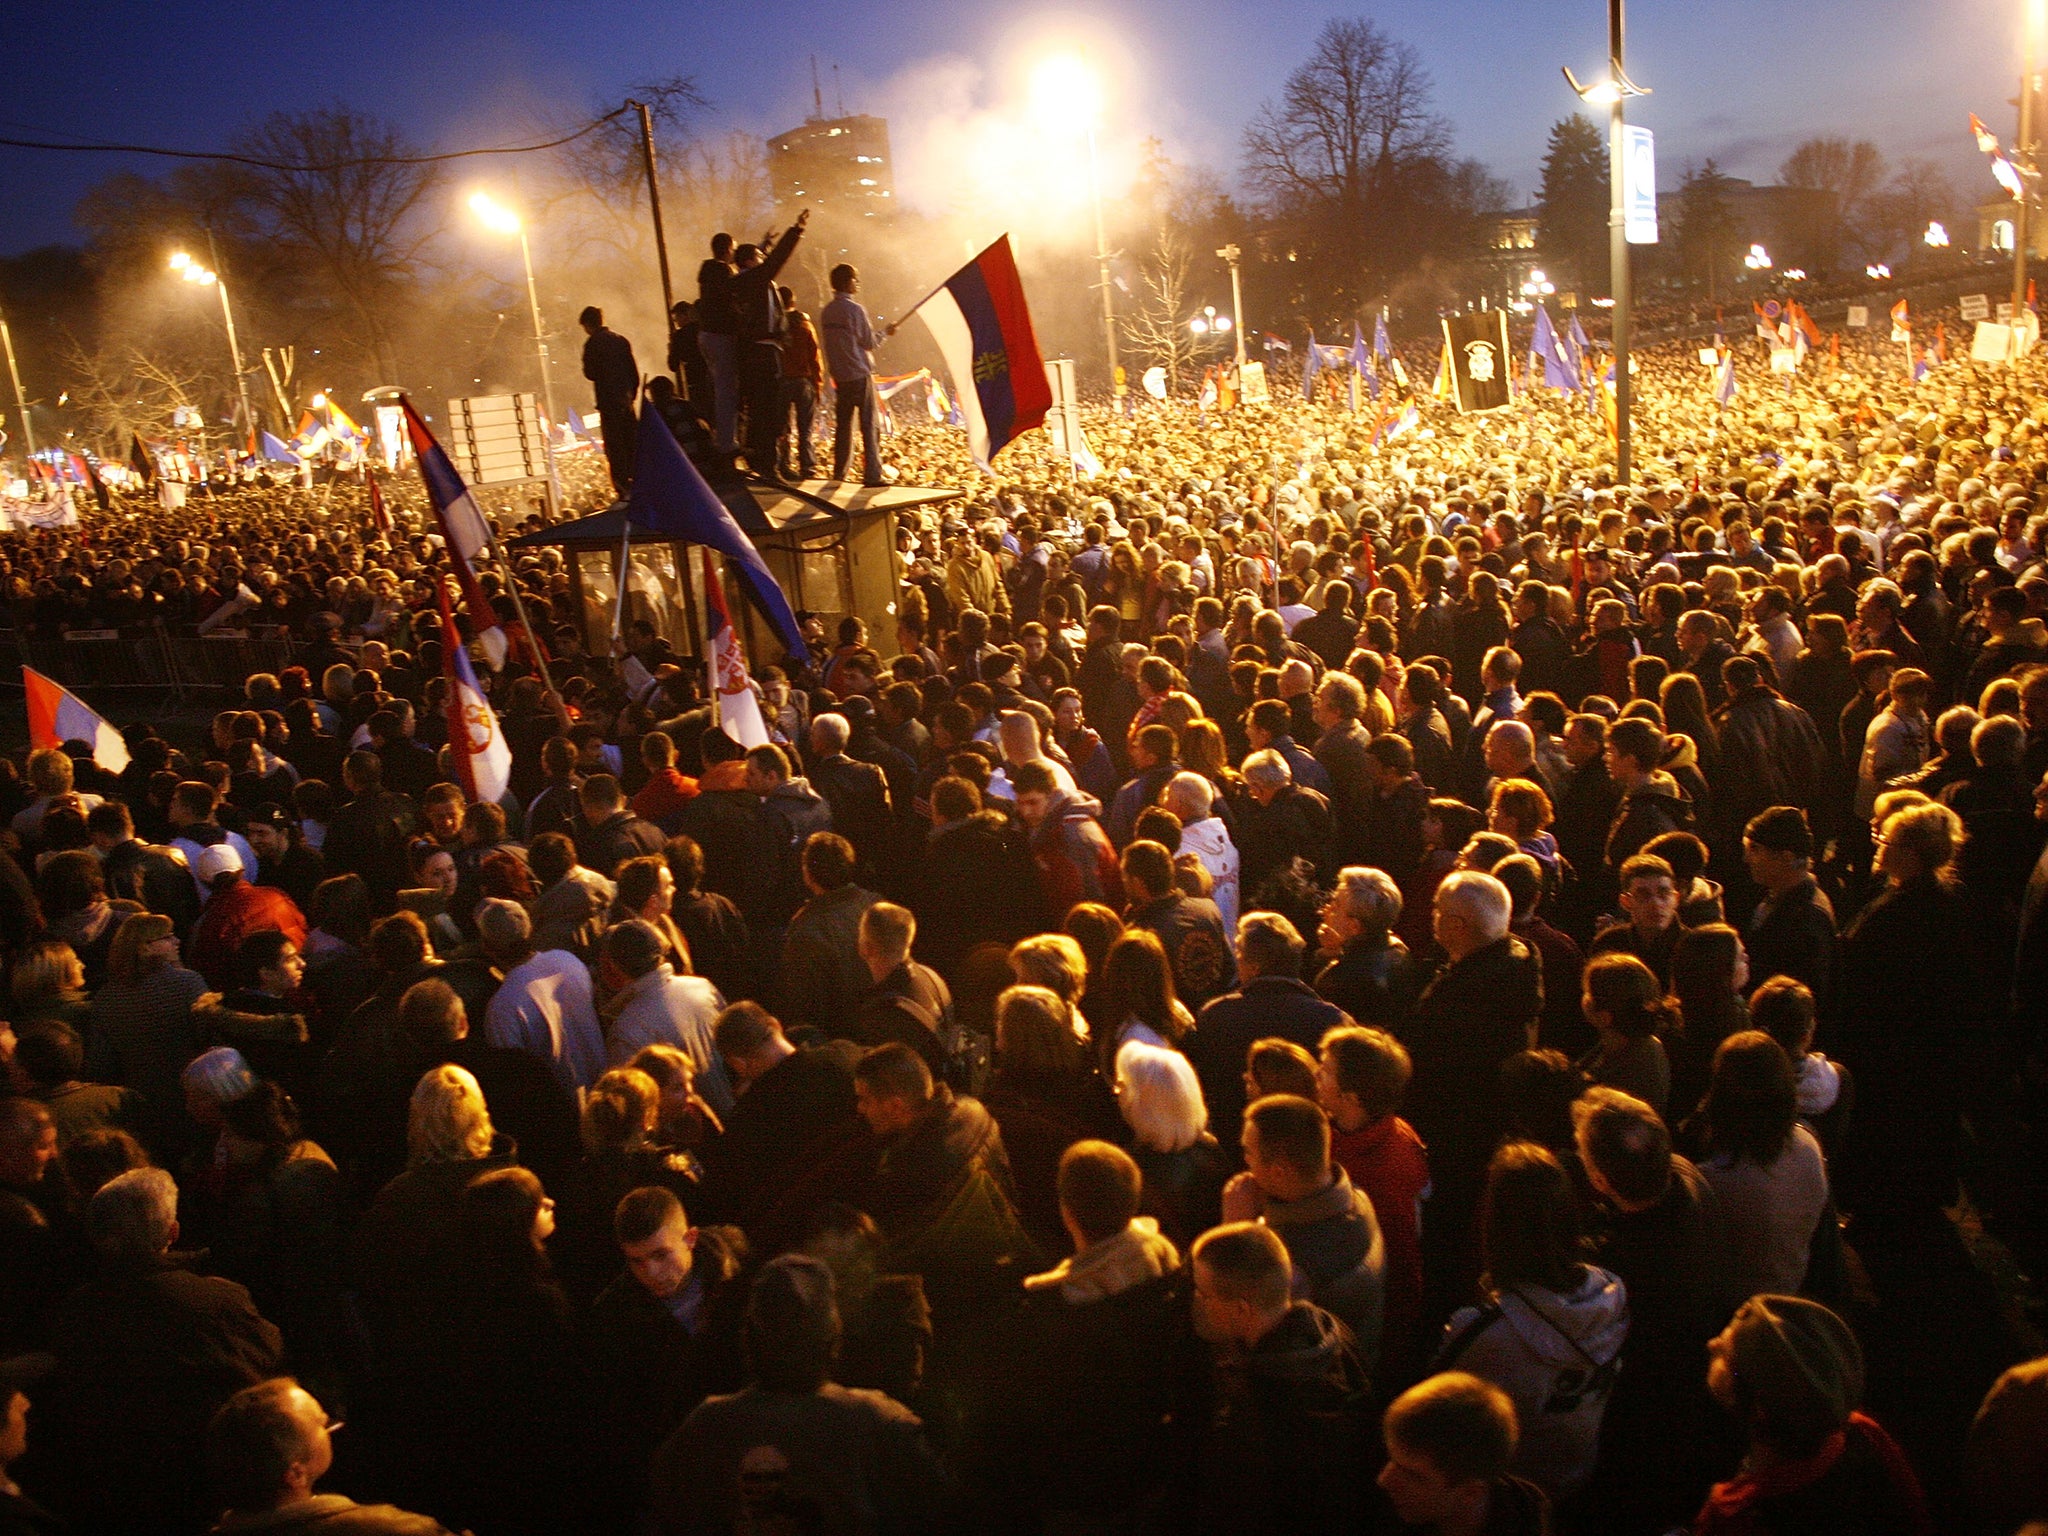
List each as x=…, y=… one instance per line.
x=1975, y=306
x=1859, y=317
x=1252, y=387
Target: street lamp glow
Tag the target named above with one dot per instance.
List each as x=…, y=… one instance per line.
x=494, y=215
x=180, y=261
x=1758, y=259
x=1066, y=92
x=1220, y=324
x=1199, y=326
x=1936, y=235
x=1879, y=271
x=319, y=402
x=1602, y=93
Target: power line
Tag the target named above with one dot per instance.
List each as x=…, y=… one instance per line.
x=96, y=147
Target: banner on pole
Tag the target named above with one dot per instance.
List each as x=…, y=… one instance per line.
x=1639, y=184
x=1477, y=345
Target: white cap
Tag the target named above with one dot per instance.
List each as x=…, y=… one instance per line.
x=217, y=859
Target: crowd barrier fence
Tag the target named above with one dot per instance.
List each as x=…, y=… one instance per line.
x=148, y=659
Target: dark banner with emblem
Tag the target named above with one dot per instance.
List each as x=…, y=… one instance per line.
x=1479, y=358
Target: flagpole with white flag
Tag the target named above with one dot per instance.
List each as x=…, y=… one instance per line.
x=57, y=715
x=734, y=709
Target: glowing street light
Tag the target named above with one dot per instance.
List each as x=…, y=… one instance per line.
x=1612, y=92
x=499, y=219
x=1936, y=236
x=1758, y=259
x=1067, y=93
x=1209, y=323
x=1537, y=285
x=192, y=272
x=1877, y=271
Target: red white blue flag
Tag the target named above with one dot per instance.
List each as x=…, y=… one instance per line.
x=982, y=325
x=462, y=527
x=483, y=758
x=739, y=712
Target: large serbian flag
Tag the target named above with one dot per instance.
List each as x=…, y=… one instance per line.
x=983, y=328
x=739, y=712
x=462, y=527
x=55, y=716
x=483, y=758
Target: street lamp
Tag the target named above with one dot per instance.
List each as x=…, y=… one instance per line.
x=1936, y=236
x=1065, y=92
x=192, y=272
x=499, y=219
x=1231, y=254
x=1758, y=259
x=1877, y=272
x=1611, y=93
x=1538, y=286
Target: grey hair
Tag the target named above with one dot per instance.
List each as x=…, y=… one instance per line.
x=501, y=923
x=221, y=1074
x=1369, y=896
x=1267, y=769
x=830, y=733
x=134, y=1215
x=1478, y=898
x=1189, y=796
x=1160, y=1096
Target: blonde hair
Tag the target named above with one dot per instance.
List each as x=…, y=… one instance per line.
x=1035, y=1032
x=47, y=971
x=448, y=1121
x=1053, y=961
x=620, y=1110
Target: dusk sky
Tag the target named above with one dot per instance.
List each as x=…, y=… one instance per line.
x=1739, y=80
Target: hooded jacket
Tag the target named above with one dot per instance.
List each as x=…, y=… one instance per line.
x=1209, y=841
x=1333, y=1237
x=1652, y=808
x=1557, y=1355
x=1112, y=1266
x=1076, y=861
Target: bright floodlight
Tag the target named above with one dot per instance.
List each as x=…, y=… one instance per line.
x=180, y=262
x=319, y=402
x=200, y=276
x=494, y=215
x=1936, y=235
x=1066, y=92
x=1221, y=322
x=1199, y=325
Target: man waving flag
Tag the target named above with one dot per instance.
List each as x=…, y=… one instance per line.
x=982, y=326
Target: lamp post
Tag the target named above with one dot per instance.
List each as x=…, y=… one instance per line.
x=1611, y=93
x=206, y=277
x=1231, y=254
x=496, y=217
x=2023, y=155
x=1065, y=90
x=28, y=427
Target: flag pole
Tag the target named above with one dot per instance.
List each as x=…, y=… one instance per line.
x=625, y=579
x=920, y=304
x=710, y=658
x=533, y=639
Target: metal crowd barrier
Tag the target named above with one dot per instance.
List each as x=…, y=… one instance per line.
x=149, y=659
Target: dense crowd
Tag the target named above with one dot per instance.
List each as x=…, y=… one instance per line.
x=1311, y=985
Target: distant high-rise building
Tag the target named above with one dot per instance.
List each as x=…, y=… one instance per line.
x=839, y=165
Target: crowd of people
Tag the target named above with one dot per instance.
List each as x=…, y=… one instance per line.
x=1312, y=985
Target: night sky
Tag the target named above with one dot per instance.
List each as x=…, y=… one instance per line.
x=1739, y=80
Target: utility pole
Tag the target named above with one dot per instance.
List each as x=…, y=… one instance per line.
x=234, y=347
x=2023, y=155
x=1617, y=241
x=668, y=292
x=1116, y=383
x=28, y=429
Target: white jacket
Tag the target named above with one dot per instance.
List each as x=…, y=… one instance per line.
x=1557, y=1357
x=1209, y=841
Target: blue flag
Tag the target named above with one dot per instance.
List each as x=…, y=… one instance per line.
x=671, y=499
x=276, y=452
x=1381, y=347
x=1543, y=346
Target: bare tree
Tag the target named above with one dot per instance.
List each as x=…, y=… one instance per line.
x=1918, y=195
x=1156, y=328
x=118, y=391
x=1841, y=175
x=1345, y=122
x=349, y=205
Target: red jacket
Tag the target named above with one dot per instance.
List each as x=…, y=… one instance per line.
x=230, y=917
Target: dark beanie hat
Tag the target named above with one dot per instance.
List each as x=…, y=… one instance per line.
x=793, y=1298
x=1799, y=1362
x=1781, y=829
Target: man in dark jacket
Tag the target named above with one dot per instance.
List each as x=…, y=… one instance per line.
x=758, y=308
x=1648, y=927
x=143, y=872
x=1546, y=654
x=1278, y=822
x=1367, y=972
x=1651, y=802
x=908, y=1002
x=1271, y=1000
x=608, y=833
x=1792, y=932
x=145, y=1354
x=1660, y=1233
x=823, y=975
x=1482, y=1008
x=1391, y=829
x=1278, y=1422
x=1342, y=750
x=792, y=1104
x=665, y=1334
x=975, y=879
x=615, y=378
x=1189, y=928
x=1771, y=751
x=858, y=793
